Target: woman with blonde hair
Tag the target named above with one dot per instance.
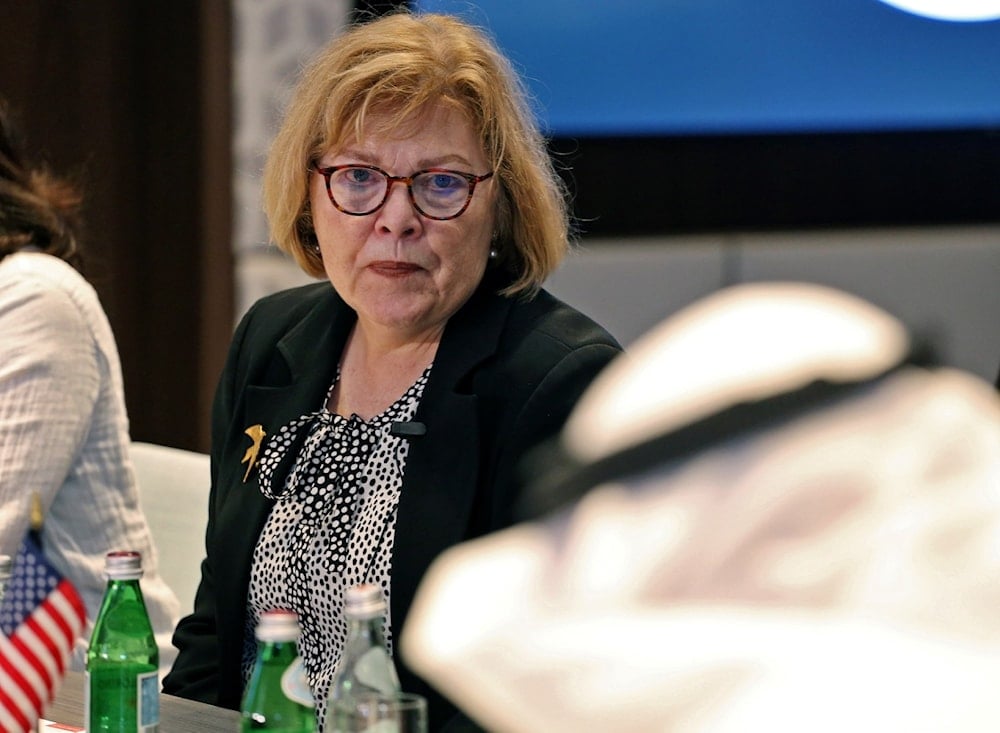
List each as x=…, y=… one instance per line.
x=368, y=422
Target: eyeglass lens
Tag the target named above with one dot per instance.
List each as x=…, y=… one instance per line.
x=436, y=193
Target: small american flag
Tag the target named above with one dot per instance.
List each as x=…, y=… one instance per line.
x=40, y=617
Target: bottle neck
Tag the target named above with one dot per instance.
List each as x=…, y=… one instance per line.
x=366, y=628
x=277, y=650
x=373, y=622
x=129, y=586
x=365, y=663
x=274, y=657
x=123, y=593
x=122, y=630
x=277, y=697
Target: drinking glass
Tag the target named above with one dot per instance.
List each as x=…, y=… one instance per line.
x=397, y=712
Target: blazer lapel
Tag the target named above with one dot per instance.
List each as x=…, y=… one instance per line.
x=442, y=467
x=310, y=352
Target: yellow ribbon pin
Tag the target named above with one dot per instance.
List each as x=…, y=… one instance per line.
x=252, y=456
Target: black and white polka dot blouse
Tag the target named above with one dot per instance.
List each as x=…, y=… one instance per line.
x=332, y=526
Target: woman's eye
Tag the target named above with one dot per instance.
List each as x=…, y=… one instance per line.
x=359, y=175
x=445, y=181
x=439, y=184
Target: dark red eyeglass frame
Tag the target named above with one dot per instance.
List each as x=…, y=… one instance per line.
x=328, y=171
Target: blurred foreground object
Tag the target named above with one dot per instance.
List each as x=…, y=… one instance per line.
x=784, y=526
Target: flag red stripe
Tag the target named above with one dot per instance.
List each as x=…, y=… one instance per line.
x=53, y=651
x=60, y=629
x=29, y=657
x=66, y=607
x=58, y=616
x=14, y=710
x=25, y=685
x=67, y=591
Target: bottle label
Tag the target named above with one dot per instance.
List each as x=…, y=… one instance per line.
x=295, y=684
x=118, y=698
x=148, y=696
x=374, y=670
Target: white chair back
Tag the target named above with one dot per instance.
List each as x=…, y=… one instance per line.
x=173, y=488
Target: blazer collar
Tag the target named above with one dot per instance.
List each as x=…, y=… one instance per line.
x=470, y=336
x=306, y=357
x=304, y=363
x=312, y=348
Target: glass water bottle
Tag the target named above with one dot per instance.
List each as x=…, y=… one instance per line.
x=365, y=665
x=123, y=687
x=277, y=697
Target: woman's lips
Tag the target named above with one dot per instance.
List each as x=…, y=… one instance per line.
x=391, y=268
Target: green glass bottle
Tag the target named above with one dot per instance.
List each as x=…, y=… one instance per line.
x=123, y=687
x=277, y=697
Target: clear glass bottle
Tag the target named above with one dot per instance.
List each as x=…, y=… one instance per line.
x=277, y=697
x=6, y=569
x=123, y=687
x=365, y=665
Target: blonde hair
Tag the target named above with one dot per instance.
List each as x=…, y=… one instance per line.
x=389, y=72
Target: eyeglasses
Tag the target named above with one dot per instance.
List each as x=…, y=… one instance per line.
x=436, y=193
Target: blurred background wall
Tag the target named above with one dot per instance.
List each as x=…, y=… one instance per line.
x=165, y=110
x=133, y=98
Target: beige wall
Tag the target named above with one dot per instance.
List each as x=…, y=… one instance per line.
x=942, y=282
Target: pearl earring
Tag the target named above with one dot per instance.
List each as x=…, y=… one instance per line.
x=493, y=253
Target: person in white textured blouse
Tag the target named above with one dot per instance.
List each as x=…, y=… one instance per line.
x=63, y=424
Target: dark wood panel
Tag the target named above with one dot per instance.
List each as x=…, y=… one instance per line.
x=134, y=99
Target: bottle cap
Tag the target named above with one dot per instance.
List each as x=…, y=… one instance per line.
x=364, y=601
x=278, y=625
x=123, y=565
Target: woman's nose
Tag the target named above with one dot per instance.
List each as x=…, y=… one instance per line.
x=398, y=214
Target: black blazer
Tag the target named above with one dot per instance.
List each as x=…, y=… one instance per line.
x=506, y=376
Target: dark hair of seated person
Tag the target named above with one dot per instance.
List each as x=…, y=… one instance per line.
x=37, y=208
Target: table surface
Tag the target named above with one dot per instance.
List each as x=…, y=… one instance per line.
x=177, y=715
